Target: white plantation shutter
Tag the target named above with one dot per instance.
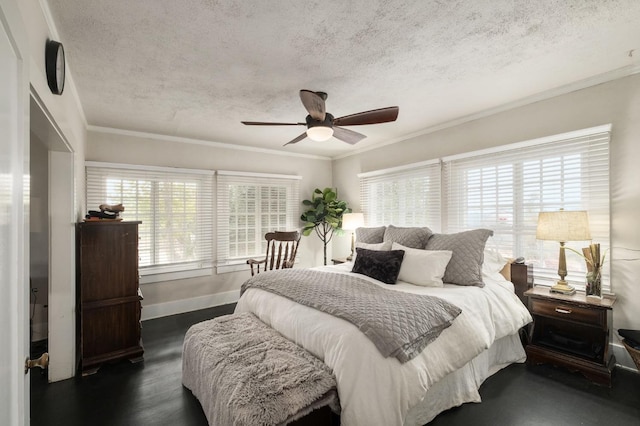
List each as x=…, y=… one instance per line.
x=402, y=196
x=249, y=206
x=504, y=189
x=174, y=205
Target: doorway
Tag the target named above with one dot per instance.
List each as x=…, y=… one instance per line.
x=52, y=244
x=38, y=247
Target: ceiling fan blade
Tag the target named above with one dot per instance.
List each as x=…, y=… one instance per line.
x=296, y=140
x=262, y=123
x=382, y=115
x=314, y=103
x=346, y=135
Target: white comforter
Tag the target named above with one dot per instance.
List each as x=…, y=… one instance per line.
x=380, y=391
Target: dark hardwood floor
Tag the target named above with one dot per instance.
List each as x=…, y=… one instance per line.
x=151, y=393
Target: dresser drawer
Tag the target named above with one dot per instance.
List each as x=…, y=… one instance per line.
x=569, y=312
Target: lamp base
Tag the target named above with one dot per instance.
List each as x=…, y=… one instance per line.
x=563, y=288
x=353, y=247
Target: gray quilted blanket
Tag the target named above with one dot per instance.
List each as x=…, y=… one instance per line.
x=399, y=324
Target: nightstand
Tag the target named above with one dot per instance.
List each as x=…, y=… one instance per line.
x=572, y=332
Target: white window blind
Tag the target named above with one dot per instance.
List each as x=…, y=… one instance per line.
x=504, y=190
x=249, y=206
x=174, y=205
x=403, y=196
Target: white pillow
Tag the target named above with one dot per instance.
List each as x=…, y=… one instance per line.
x=385, y=246
x=493, y=262
x=423, y=267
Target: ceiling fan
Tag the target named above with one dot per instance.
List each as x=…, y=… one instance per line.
x=321, y=125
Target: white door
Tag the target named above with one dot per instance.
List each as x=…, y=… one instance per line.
x=14, y=192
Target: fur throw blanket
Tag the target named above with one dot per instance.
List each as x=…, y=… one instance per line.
x=245, y=373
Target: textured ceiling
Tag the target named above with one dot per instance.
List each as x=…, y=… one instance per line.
x=196, y=68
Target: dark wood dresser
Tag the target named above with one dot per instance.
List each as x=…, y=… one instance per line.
x=108, y=297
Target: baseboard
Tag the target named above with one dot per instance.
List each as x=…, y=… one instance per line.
x=623, y=359
x=159, y=310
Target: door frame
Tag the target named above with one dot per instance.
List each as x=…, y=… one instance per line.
x=61, y=228
x=14, y=327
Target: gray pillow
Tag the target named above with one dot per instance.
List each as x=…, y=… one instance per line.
x=413, y=237
x=370, y=235
x=465, y=266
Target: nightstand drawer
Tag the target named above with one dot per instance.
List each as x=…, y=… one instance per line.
x=569, y=312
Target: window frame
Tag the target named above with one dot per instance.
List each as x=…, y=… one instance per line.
x=523, y=226
x=229, y=262
x=375, y=186
x=95, y=173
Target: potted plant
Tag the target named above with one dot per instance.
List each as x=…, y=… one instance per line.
x=324, y=215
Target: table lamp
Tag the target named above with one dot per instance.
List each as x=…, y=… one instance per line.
x=563, y=226
x=351, y=221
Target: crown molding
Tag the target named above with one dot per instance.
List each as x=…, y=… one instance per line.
x=552, y=93
x=180, y=139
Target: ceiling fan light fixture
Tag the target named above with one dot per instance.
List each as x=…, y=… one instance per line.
x=321, y=125
x=319, y=133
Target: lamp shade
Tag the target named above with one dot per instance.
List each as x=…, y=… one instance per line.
x=351, y=221
x=319, y=133
x=563, y=226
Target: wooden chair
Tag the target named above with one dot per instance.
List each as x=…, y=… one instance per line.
x=281, y=251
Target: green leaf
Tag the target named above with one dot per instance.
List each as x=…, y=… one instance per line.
x=324, y=213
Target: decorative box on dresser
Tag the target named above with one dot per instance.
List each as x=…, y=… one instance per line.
x=572, y=331
x=108, y=297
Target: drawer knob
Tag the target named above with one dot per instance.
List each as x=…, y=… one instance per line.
x=563, y=311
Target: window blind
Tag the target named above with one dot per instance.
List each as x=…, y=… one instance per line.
x=504, y=190
x=174, y=205
x=403, y=196
x=249, y=205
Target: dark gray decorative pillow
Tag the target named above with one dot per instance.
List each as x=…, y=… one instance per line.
x=465, y=266
x=413, y=237
x=382, y=265
x=370, y=235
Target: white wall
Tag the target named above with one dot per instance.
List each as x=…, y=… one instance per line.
x=67, y=122
x=170, y=297
x=616, y=102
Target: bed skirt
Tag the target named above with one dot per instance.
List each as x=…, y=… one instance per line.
x=461, y=386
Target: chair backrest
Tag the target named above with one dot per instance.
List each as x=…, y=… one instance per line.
x=282, y=247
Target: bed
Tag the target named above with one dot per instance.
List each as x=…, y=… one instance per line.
x=377, y=390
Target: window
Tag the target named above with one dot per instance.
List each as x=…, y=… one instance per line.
x=503, y=189
x=175, y=207
x=249, y=206
x=402, y=196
